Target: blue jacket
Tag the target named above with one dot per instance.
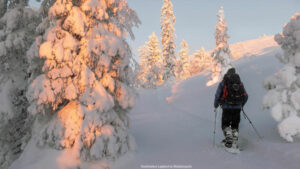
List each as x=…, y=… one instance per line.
x=218, y=96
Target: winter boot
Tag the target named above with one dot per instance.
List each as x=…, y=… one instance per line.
x=235, y=137
x=228, y=137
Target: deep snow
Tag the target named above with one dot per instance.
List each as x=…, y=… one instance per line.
x=181, y=132
x=174, y=126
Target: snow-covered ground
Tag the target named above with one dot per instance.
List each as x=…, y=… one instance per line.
x=174, y=126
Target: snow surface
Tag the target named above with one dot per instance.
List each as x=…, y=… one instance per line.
x=181, y=132
x=174, y=126
x=253, y=47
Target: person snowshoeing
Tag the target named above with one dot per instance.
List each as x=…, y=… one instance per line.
x=231, y=96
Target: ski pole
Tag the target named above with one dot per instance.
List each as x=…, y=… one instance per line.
x=244, y=113
x=252, y=124
x=215, y=127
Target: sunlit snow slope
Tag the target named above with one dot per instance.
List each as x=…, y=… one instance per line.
x=174, y=126
x=254, y=47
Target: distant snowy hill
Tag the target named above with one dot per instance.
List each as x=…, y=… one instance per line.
x=254, y=47
x=174, y=125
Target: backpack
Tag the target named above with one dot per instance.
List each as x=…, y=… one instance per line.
x=234, y=92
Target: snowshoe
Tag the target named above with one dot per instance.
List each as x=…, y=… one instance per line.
x=230, y=143
x=228, y=137
x=230, y=147
x=226, y=144
x=233, y=149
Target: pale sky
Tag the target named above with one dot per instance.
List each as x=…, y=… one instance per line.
x=196, y=19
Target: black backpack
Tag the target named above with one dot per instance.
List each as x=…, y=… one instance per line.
x=234, y=92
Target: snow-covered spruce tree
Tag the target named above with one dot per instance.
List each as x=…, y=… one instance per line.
x=206, y=59
x=199, y=61
x=17, y=27
x=183, y=65
x=17, y=33
x=221, y=55
x=45, y=6
x=154, y=62
x=3, y=7
x=35, y=61
x=135, y=67
x=82, y=97
x=151, y=63
x=143, y=67
x=167, y=21
x=283, y=97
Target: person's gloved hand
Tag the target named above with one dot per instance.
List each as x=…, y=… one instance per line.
x=243, y=104
x=215, y=110
x=216, y=105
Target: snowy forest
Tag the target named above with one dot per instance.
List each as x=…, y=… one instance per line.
x=76, y=94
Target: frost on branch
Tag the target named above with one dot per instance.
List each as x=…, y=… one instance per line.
x=151, y=68
x=183, y=63
x=167, y=21
x=17, y=33
x=284, y=87
x=200, y=61
x=82, y=95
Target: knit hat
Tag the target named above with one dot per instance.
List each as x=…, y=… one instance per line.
x=231, y=71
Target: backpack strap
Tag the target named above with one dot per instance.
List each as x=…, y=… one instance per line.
x=225, y=93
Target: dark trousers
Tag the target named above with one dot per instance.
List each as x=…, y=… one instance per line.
x=231, y=118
